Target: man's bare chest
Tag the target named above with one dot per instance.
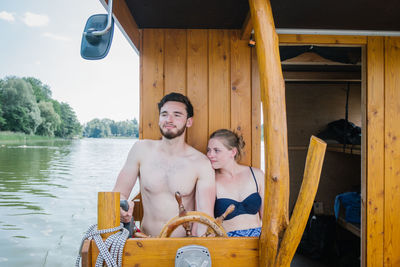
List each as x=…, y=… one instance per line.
x=161, y=174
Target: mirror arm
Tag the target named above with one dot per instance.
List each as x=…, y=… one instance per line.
x=109, y=24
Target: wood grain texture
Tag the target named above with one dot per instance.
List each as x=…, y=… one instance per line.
x=255, y=112
x=153, y=252
x=152, y=89
x=373, y=205
x=276, y=199
x=322, y=39
x=241, y=92
x=108, y=215
x=392, y=152
x=124, y=17
x=175, y=61
x=197, y=87
x=219, y=80
x=86, y=254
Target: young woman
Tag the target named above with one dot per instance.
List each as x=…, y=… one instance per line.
x=236, y=184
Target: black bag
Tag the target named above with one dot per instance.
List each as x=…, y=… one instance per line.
x=342, y=131
x=318, y=241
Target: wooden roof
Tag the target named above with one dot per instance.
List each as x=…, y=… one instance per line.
x=369, y=15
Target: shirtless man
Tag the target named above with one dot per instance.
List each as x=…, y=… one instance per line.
x=166, y=166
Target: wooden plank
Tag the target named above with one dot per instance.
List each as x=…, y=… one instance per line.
x=123, y=16
x=241, y=92
x=392, y=152
x=219, y=80
x=348, y=149
x=86, y=253
x=242, y=251
x=152, y=80
x=304, y=203
x=364, y=158
x=197, y=87
x=255, y=112
x=276, y=198
x=141, y=104
x=322, y=39
x=175, y=61
x=349, y=226
x=108, y=215
x=246, y=28
x=310, y=76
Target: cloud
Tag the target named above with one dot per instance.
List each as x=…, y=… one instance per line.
x=35, y=20
x=56, y=37
x=7, y=16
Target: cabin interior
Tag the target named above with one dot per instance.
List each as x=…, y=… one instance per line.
x=321, y=90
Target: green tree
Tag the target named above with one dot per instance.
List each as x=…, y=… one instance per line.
x=41, y=91
x=97, y=129
x=69, y=126
x=20, y=110
x=135, y=128
x=50, y=119
x=2, y=120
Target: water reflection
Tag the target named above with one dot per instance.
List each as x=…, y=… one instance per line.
x=48, y=197
x=26, y=169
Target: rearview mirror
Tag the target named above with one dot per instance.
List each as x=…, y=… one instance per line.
x=97, y=37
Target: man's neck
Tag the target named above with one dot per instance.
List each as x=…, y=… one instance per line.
x=173, y=146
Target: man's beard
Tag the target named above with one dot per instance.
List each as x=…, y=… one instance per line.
x=171, y=135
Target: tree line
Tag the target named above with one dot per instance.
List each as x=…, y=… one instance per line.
x=27, y=106
x=97, y=128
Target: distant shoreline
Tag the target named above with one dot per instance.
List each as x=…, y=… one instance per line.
x=7, y=137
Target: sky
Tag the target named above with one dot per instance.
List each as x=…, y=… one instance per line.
x=42, y=38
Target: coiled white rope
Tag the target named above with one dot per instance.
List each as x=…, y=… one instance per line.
x=110, y=250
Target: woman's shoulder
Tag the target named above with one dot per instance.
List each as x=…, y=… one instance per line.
x=257, y=171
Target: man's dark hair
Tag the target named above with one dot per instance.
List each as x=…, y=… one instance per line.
x=177, y=97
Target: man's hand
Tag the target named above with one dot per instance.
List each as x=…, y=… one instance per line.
x=126, y=216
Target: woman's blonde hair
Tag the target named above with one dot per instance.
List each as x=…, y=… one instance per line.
x=230, y=140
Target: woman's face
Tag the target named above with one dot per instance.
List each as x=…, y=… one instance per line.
x=219, y=154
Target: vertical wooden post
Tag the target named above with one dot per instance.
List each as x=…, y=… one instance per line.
x=275, y=219
x=108, y=215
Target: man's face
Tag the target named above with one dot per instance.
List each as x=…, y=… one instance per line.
x=173, y=119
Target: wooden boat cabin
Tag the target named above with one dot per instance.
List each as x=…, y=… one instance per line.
x=318, y=68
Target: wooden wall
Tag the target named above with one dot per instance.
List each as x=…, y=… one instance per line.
x=381, y=201
x=216, y=70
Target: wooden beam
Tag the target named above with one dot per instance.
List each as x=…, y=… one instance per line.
x=246, y=28
x=319, y=76
x=86, y=254
x=150, y=252
x=373, y=193
x=330, y=40
x=126, y=22
x=391, y=246
x=108, y=215
x=276, y=198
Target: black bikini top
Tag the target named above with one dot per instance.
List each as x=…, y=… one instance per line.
x=250, y=205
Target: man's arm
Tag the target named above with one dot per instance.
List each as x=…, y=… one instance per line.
x=127, y=179
x=205, y=192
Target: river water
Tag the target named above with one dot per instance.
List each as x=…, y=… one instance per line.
x=48, y=197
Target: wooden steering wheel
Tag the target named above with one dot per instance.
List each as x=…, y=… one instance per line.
x=193, y=216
